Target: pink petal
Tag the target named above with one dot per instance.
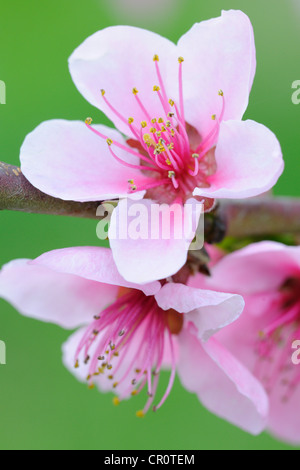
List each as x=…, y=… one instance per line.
x=284, y=421
x=93, y=263
x=118, y=59
x=258, y=268
x=209, y=311
x=219, y=54
x=140, y=257
x=60, y=298
x=222, y=383
x=249, y=161
x=68, y=161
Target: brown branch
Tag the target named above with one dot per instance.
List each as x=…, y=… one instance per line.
x=17, y=194
x=247, y=218
x=261, y=217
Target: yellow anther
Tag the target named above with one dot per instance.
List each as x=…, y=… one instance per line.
x=168, y=162
x=171, y=102
x=156, y=88
x=153, y=130
x=158, y=133
x=154, y=120
x=91, y=386
x=76, y=364
x=214, y=117
x=171, y=174
x=89, y=377
x=146, y=137
x=171, y=146
x=180, y=60
x=134, y=188
x=156, y=58
x=102, y=92
x=168, y=124
x=116, y=354
x=195, y=155
x=134, y=393
x=115, y=385
x=110, y=377
x=89, y=121
x=171, y=115
x=131, y=181
x=109, y=366
x=140, y=414
x=160, y=120
x=172, y=132
x=109, y=142
x=135, y=91
x=130, y=120
x=220, y=93
x=144, y=124
x=163, y=129
x=116, y=401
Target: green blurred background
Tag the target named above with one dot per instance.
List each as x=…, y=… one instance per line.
x=41, y=404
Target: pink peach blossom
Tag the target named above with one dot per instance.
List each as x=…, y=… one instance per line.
x=182, y=113
x=267, y=274
x=128, y=333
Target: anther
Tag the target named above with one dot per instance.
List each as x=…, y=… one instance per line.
x=102, y=92
x=144, y=124
x=101, y=358
x=122, y=332
x=156, y=58
x=88, y=121
x=87, y=359
x=115, y=385
x=160, y=120
x=110, y=377
x=214, y=117
x=171, y=102
x=171, y=174
x=220, y=93
x=130, y=120
x=95, y=332
x=91, y=386
x=97, y=317
x=180, y=60
x=154, y=120
x=109, y=142
x=76, y=364
x=109, y=366
x=156, y=88
x=116, y=401
x=171, y=114
x=135, y=91
x=195, y=155
x=140, y=414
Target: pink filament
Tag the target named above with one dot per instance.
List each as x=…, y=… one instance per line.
x=118, y=326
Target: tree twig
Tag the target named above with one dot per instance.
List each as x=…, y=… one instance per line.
x=17, y=194
x=245, y=218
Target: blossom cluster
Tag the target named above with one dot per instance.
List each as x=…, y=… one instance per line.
x=140, y=306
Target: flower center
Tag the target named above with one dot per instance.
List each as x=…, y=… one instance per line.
x=274, y=347
x=126, y=346
x=165, y=151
